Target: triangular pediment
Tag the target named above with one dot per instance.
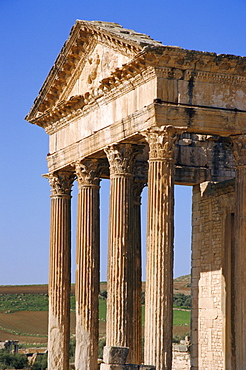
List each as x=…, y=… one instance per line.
x=92, y=69
x=92, y=53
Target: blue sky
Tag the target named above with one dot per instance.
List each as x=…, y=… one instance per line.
x=32, y=34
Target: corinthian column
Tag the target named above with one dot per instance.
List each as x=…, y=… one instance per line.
x=59, y=271
x=239, y=303
x=160, y=231
x=87, y=266
x=119, y=326
x=140, y=180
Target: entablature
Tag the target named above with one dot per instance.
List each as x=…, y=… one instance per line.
x=109, y=84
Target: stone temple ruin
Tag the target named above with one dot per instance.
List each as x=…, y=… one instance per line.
x=119, y=105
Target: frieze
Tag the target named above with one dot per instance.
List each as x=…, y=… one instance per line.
x=175, y=57
x=178, y=74
x=215, y=78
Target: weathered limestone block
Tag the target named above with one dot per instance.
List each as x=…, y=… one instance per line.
x=115, y=355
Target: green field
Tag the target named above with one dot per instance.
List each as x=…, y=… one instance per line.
x=39, y=302
x=24, y=312
x=181, y=318
x=23, y=302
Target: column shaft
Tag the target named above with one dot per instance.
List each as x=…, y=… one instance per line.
x=120, y=286
x=239, y=303
x=139, y=183
x=59, y=272
x=240, y=270
x=87, y=271
x=159, y=269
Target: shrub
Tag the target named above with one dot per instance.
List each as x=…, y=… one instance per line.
x=182, y=300
x=72, y=347
x=101, y=344
x=103, y=294
x=40, y=363
x=10, y=360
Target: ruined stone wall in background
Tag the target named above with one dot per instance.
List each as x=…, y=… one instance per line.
x=212, y=222
x=181, y=360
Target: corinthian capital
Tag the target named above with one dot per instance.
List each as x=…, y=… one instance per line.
x=239, y=149
x=161, y=141
x=121, y=157
x=88, y=171
x=61, y=183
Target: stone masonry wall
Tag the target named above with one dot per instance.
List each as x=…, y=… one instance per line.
x=181, y=360
x=213, y=207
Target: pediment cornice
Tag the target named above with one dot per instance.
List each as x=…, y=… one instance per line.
x=83, y=36
x=119, y=82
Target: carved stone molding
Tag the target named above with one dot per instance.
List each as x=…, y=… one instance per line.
x=88, y=171
x=215, y=78
x=121, y=158
x=161, y=141
x=61, y=183
x=169, y=56
x=239, y=149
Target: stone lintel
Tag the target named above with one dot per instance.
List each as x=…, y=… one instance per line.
x=205, y=120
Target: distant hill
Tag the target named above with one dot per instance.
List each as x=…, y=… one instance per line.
x=180, y=285
x=186, y=278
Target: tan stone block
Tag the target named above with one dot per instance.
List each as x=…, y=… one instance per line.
x=206, y=303
x=209, y=323
x=196, y=254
